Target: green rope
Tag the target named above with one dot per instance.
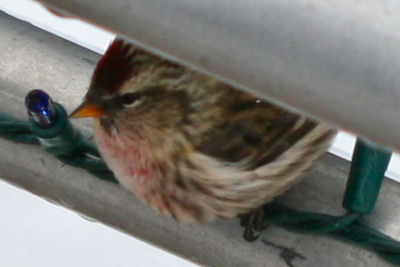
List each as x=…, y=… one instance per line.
x=349, y=228
x=83, y=154
x=16, y=130
x=69, y=147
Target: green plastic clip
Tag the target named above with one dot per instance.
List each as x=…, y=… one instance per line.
x=61, y=138
x=67, y=144
x=366, y=176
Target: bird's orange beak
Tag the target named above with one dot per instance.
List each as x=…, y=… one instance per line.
x=87, y=110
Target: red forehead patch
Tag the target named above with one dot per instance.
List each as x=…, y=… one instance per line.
x=115, y=67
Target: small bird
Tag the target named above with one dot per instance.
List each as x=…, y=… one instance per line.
x=191, y=146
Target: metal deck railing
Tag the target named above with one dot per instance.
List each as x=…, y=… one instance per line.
x=64, y=70
x=336, y=60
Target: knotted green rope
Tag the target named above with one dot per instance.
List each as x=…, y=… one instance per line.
x=349, y=228
x=62, y=141
x=68, y=145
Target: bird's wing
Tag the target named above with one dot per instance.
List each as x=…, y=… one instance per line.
x=254, y=133
x=218, y=188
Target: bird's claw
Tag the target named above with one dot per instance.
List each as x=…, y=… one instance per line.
x=253, y=222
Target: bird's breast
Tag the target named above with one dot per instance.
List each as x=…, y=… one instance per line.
x=126, y=157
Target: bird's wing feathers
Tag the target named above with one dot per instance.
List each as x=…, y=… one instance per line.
x=257, y=153
x=225, y=190
x=215, y=188
x=254, y=132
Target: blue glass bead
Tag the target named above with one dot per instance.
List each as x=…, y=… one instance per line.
x=41, y=108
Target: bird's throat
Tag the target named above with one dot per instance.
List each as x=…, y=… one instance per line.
x=108, y=125
x=127, y=157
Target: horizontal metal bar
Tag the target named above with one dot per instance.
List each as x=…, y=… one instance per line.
x=31, y=58
x=338, y=60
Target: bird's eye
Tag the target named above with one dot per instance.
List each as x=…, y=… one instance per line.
x=129, y=99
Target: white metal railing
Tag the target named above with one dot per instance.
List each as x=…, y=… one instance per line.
x=337, y=60
x=97, y=40
x=64, y=71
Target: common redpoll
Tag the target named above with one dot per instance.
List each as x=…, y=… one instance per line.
x=189, y=145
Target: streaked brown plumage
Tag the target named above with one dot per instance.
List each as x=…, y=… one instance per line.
x=189, y=145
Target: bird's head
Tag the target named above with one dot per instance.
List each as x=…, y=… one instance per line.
x=135, y=88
